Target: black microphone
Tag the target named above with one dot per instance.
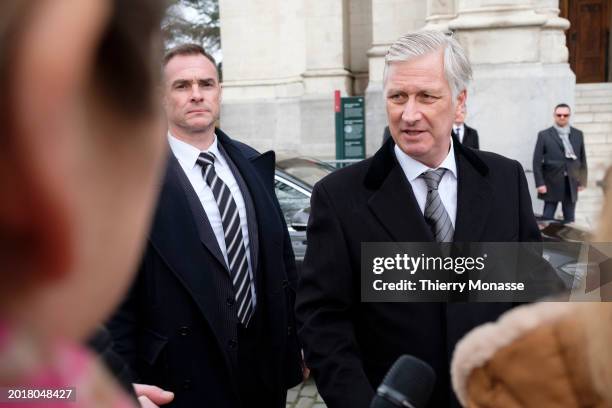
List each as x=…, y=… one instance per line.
x=408, y=384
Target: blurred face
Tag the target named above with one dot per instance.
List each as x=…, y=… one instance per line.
x=420, y=107
x=460, y=119
x=192, y=94
x=87, y=175
x=562, y=116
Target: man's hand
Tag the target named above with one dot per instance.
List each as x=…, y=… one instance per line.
x=580, y=188
x=542, y=189
x=151, y=396
x=305, y=369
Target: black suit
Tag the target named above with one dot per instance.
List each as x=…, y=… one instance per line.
x=350, y=345
x=470, y=137
x=552, y=169
x=178, y=327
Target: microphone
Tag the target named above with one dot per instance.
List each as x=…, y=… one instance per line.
x=408, y=384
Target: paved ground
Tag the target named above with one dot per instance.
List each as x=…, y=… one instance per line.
x=305, y=395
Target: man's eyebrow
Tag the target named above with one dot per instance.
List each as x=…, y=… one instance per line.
x=180, y=81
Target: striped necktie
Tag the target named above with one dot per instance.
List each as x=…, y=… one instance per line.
x=234, y=243
x=435, y=214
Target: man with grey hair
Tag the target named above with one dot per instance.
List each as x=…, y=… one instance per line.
x=419, y=187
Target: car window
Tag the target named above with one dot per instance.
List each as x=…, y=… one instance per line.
x=308, y=174
x=307, y=170
x=290, y=199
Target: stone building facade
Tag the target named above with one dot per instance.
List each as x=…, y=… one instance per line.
x=283, y=59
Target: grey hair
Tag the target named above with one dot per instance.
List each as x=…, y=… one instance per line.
x=457, y=68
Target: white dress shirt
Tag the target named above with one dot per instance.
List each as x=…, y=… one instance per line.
x=187, y=156
x=459, y=131
x=447, y=189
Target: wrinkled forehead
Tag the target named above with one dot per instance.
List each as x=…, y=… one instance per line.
x=423, y=72
x=429, y=64
x=189, y=67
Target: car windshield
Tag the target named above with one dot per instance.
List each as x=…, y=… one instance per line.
x=306, y=170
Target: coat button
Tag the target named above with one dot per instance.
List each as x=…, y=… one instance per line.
x=232, y=344
x=289, y=330
x=230, y=301
x=184, y=331
x=285, y=283
x=187, y=384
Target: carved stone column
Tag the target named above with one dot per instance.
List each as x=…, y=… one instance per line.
x=390, y=20
x=517, y=49
x=439, y=13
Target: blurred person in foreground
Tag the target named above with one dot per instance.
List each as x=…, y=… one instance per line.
x=210, y=316
x=81, y=152
x=544, y=355
x=560, y=165
x=419, y=187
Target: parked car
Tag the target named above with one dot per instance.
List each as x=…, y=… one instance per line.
x=293, y=182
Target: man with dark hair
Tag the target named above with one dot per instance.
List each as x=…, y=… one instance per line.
x=210, y=316
x=559, y=165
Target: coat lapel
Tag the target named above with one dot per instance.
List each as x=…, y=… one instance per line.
x=474, y=195
x=178, y=240
x=574, y=141
x=394, y=205
x=393, y=202
x=258, y=174
x=205, y=231
x=555, y=136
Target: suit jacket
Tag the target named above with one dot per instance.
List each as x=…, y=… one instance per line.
x=349, y=345
x=470, y=137
x=178, y=328
x=101, y=343
x=550, y=166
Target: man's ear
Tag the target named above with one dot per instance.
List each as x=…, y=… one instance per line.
x=47, y=83
x=461, y=99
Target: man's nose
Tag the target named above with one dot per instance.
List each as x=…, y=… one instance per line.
x=196, y=95
x=412, y=111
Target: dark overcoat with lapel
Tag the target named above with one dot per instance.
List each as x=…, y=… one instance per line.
x=349, y=345
x=470, y=137
x=177, y=328
x=550, y=166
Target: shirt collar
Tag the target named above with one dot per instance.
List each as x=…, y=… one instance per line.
x=414, y=168
x=187, y=154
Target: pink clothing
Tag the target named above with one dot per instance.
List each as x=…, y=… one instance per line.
x=24, y=365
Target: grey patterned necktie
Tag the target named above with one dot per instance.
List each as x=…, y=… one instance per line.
x=435, y=214
x=234, y=244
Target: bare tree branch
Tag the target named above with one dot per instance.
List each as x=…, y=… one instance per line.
x=193, y=21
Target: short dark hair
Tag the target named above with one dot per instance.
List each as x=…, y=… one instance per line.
x=562, y=105
x=188, y=49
